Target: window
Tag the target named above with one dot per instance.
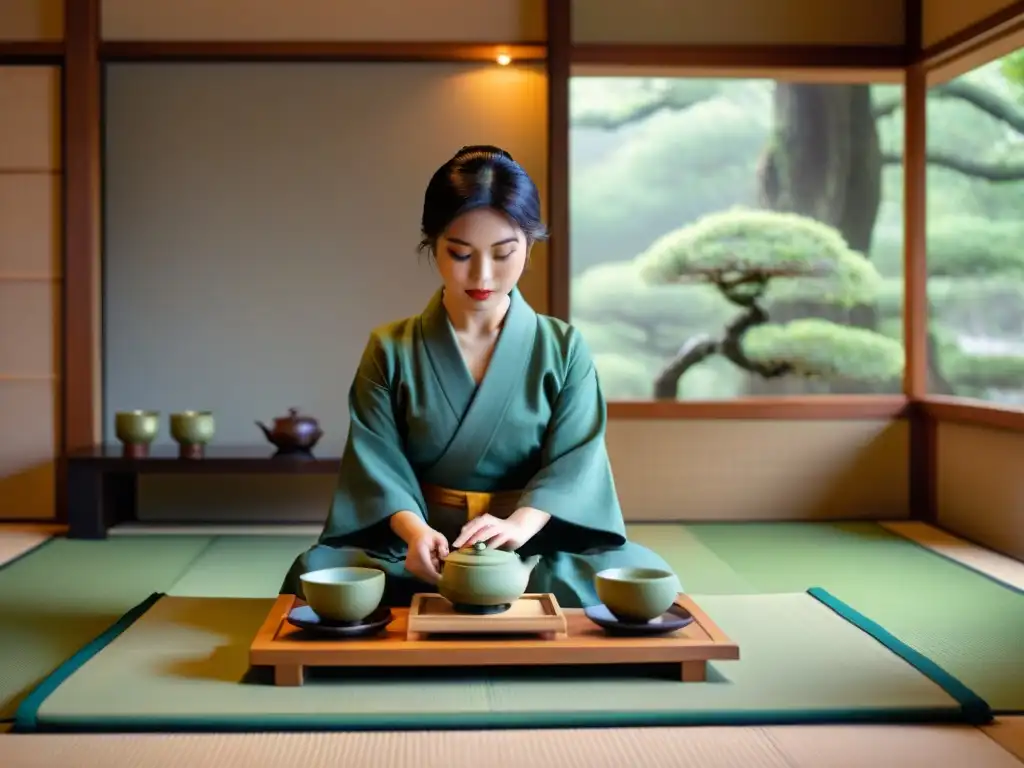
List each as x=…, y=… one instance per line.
x=737, y=237
x=975, y=225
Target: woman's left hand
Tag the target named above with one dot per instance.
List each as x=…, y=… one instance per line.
x=511, y=532
x=495, y=531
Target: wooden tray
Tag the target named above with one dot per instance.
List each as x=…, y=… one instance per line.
x=431, y=614
x=289, y=650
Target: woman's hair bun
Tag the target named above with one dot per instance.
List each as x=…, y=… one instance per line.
x=489, y=149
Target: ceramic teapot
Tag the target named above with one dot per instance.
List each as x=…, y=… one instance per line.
x=477, y=579
x=293, y=433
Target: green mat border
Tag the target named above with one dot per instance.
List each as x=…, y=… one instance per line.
x=14, y=560
x=976, y=710
x=972, y=710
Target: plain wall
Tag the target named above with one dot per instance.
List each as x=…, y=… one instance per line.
x=262, y=219
x=664, y=471
x=980, y=488
x=30, y=289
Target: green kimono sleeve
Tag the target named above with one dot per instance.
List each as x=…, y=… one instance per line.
x=575, y=484
x=376, y=479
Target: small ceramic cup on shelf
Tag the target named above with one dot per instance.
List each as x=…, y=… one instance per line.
x=193, y=431
x=136, y=430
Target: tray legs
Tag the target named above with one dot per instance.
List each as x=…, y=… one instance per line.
x=694, y=671
x=288, y=674
x=293, y=674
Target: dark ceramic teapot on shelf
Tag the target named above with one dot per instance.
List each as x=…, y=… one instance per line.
x=293, y=434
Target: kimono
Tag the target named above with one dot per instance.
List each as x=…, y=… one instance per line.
x=424, y=437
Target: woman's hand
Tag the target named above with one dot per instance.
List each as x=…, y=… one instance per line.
x=510, y=533
x=495, y=531
x=426, y=551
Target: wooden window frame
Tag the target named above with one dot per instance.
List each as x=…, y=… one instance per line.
x=82, y=54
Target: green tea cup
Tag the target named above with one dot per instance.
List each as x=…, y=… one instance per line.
x=192, y=427
x=637, y=595
x=137, y=427
x=346, y=594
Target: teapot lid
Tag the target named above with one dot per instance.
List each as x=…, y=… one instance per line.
x=479, y=554
x=294, y=414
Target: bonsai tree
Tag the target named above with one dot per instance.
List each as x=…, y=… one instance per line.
x=752, y=257
x=662, y=152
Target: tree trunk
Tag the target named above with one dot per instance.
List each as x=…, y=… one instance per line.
x=824, y=162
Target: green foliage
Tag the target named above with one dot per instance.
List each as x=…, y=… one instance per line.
x=627, y=375
x=974, y=246
x=614, y=100
x=623, y=314
x=889, y=299
x=887, y=249
x=983, y=371
x=820, y=349
x=891, y=327
x=612, y=337
x=739, y=243
x=1012, y=67
x=992, y=306
x=617, y=292
x=855, y=281
x=629, y=185
x=995, y=301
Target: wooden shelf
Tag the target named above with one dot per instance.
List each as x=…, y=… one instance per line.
x=244, y=459
x=103, y=483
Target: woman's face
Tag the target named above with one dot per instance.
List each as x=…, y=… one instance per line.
x=481, y=258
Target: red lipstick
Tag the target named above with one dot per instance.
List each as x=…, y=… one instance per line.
x=479, y=295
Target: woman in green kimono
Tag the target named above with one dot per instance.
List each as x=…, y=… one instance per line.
x=478, y=419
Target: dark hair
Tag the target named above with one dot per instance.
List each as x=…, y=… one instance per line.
x=480, y=176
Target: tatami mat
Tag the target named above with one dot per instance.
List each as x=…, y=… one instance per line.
x=791, y=747
x=177, y=667
x=1000, y=567
x=214, y=529
x=14, y=544
x=898, y=584
x=55, y=600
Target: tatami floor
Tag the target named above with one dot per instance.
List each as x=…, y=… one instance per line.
x=993, y=746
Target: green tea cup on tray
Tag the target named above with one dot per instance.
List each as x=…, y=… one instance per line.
x=637, y=595
x=346, y=594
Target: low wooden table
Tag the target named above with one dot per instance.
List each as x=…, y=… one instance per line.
x=289, y=650
x=102, y=483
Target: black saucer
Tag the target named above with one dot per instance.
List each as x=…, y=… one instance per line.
x=674, y=618
x=305, y=617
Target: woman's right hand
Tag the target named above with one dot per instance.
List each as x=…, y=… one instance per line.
x=426, y=551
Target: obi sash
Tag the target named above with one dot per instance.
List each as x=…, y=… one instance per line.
x=476, y=503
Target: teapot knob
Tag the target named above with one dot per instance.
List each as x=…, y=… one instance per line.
x=480, y=546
